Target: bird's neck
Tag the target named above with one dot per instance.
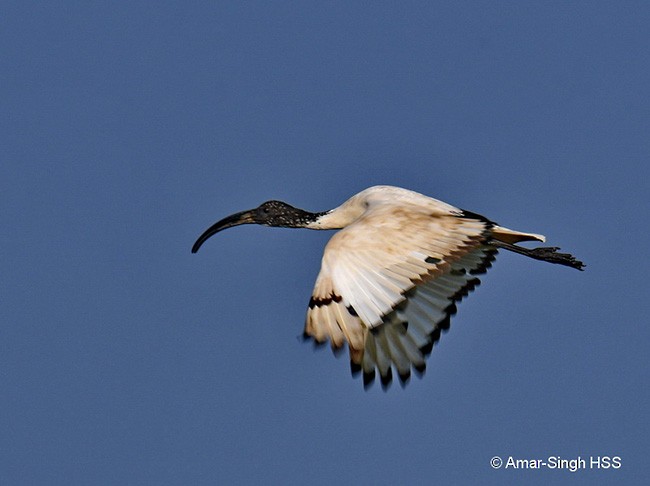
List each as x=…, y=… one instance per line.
x=339, y=217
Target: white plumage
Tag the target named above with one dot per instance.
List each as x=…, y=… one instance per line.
x=390, y=278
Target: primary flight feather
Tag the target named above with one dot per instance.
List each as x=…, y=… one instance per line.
x=390, y=279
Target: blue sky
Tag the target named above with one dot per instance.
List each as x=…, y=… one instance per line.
x=127, y=129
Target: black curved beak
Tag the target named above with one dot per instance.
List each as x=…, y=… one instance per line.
x=245, y=217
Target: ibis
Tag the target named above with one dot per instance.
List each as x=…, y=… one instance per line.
x=390, y=279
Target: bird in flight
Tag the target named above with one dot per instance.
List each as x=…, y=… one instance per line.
x=391, y=278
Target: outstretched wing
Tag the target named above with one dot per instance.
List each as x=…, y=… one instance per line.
x=389, y=282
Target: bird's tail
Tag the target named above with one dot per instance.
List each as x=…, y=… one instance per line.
x=507, y=235
x=506, y=238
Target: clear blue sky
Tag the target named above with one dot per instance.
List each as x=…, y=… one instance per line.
x=128, y=128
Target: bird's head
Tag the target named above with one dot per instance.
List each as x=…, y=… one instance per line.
x=270, y=213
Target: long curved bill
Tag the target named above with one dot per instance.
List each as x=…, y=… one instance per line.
x=244, y=217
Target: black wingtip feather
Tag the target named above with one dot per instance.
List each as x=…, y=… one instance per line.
x=427, y=348
x=318, y=344
x=368, y=379
x=420, y=369
x=451, y=309
x=404, y=378
x=355, y=369
x=386, y=379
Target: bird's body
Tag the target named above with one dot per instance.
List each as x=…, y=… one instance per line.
x=390, y=278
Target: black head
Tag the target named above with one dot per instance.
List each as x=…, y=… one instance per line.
x=270, y=213
x=283, y=215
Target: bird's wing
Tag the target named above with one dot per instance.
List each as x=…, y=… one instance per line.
x=388, y=285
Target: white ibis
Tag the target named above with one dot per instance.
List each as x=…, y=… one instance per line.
x=390, y=279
